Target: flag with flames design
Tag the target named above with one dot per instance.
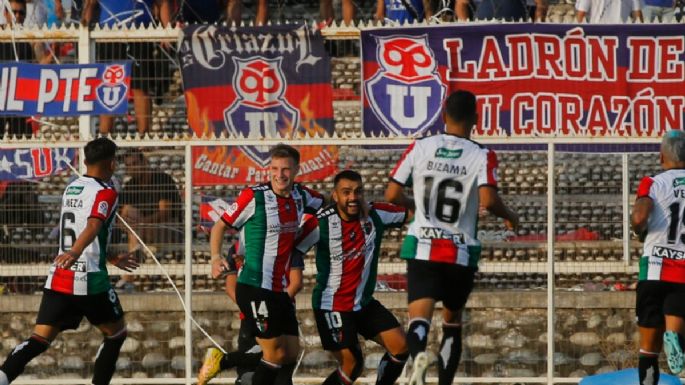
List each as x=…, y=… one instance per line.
x=266, y=82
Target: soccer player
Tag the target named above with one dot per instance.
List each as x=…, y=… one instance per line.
x=268, y=217
x=348, y=236
x=658, y=218
x=246, y=358
x=78, y=284
x=451, y=176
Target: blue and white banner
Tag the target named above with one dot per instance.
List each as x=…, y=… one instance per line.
x=64, y=89
x=34, y=163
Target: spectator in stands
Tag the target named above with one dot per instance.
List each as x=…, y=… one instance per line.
x=608, y=11
x=402, y=11
x=126, y=13
x=14, y=12
x=210, y=11
x=537, y=10
x=510, y=10
x=151, y=203
x=262, y=15
x=327, y=14
x=659, y=10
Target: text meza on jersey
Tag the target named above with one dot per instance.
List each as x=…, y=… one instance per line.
x=73, y=203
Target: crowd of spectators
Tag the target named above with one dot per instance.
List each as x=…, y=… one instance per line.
x=152, y=60
x=178, y=12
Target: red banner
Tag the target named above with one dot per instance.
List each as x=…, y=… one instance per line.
x=214, y=165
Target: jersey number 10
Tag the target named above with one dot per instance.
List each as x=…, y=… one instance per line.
x=446, y=207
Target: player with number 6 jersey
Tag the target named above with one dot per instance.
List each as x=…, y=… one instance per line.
x=659, y=219
x=347, y=236
x=84, y=198
x=451, y=177
x=78, y=284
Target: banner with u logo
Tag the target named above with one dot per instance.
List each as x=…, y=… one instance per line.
x=530, y=80
x=256, y=82
x=64, y=89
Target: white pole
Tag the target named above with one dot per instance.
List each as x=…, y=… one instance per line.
x=626, y=208
x=188, y=223
x=550, y=263
x=86, y=55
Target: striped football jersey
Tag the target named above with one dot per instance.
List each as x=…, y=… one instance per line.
x=268, y=225
x=445, y=172
x=663, y=256
x=347, y=254
x=84, y=198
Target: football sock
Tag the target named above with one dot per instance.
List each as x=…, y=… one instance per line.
x=338, y=377
x=106, y=358
x=417, y=335
x=390, y=368
x=648, y=368
x=285, y=374
x=233, y=359
x=450, y=352
x=266, y=373
x=21, y=355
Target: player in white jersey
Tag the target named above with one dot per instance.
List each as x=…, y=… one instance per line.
x=78, y=285
x=659, y=218
x=451, y=176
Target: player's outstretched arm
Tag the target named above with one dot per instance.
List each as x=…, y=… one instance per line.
x=216, y=238
x=640, y=217
x=395, y=194
x=491, y=201
x=87, y=236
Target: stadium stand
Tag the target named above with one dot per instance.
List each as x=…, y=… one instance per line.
x=505, y=323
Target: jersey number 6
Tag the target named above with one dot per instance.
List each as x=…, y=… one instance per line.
x=67, y=233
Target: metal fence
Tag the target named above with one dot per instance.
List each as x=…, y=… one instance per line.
x=547, y=309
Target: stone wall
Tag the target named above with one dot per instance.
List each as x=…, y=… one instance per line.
x=504, y=335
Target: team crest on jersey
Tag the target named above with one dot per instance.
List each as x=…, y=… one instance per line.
x=406, y=93
x=113, y=89
x=367, y=227
x=103, y=208
x=260, y=109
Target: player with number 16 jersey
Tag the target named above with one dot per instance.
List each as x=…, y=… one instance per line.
x=445, y=172
x=451, y=177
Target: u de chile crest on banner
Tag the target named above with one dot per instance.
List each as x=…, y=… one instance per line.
x=266, y=82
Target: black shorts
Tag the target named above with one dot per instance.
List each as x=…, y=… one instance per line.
x=444, y=282
x=655, y=299
x=140, y=53
x=268, y=314
x=338, y=330
x=66, y=311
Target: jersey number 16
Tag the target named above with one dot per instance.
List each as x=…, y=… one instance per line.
x=447, y=206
